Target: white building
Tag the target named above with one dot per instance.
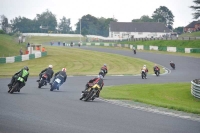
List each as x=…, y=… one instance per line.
x=125, y=30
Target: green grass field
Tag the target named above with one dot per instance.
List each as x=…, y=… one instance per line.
x=9, y=47
x=169, y=43
x=175, y=96
x=193, y=34
x=80, y=62
x=48, y=39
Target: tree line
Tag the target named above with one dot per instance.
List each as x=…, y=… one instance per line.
x=46, y=22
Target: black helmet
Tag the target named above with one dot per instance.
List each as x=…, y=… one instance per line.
x=26, y=68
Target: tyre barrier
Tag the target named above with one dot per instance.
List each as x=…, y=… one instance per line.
x=195, y=88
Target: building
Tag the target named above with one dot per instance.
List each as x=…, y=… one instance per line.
x=193, y=26
x=126, y=30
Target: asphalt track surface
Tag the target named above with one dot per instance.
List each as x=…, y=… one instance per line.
x=35, y=110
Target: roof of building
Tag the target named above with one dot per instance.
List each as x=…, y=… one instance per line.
x=192, y=24
x=138, y=27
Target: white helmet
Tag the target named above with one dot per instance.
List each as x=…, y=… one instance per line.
x=104, y=64
x=64, y=69
x=50, y=66
x=144, y=66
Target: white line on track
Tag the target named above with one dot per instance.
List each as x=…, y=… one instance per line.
x=178, y=114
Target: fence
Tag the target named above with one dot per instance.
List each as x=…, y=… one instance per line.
x=22, y=57
x=195, y=88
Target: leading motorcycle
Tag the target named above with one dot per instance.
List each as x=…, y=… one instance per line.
x=172, y=65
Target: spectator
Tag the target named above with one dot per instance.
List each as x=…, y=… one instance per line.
x=20, y=39
x=28, y=45
x=21, y=52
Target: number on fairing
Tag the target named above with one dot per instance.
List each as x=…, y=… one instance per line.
x=58, y=80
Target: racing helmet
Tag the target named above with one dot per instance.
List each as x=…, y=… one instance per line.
x=144, y=66
x=104, y=65
x=26, y=68
x=64, y=69
x=50, y=66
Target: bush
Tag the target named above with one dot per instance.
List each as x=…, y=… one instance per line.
x=2, y=32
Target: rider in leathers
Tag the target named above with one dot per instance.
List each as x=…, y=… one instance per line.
x=23, y=73
x=61, y=75
x=48, y=71
x=98, y=80
x=156, y=68
x=104, y=69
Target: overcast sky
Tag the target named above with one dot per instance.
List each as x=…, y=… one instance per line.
x=122, y=10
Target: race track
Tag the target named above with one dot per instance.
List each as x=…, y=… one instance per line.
x=36, y=110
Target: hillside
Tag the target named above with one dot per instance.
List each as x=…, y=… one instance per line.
x=9, y=46
x=193, y=34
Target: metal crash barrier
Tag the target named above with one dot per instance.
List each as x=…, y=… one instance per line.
x=195, y=88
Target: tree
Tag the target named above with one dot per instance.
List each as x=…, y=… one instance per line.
x=4, y=22
x=64, y=25
x=179, y=30
x=91, y=25
x=196, y=15
x=144, y=18
x=22, y=24
x=47, y=21
x=163, y=14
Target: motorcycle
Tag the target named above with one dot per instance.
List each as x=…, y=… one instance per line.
x=16, y=85
x=56, y=84
x=134, y=51
x=143, y=74
x=157, y=71
x=172, y=65
x=43, y=81
x=90, y=93
x=102, y=72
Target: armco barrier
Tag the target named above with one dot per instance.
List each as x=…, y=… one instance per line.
x=162, y=48
x=195, y=89
x=195, y=50
x=182, y=50
x=145, y=47
x=2, y=60
x=22, y=57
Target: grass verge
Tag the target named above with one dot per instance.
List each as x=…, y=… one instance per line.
x=175, y=96
x=9, y=47
x=168, y=43
x=79, y=62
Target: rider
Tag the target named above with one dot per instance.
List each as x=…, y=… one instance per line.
x=23, y=73
x=48, y=71
x=98, y=80
x=61, y=75
x=145, y=69
x=104, y=69
x=156, y=68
